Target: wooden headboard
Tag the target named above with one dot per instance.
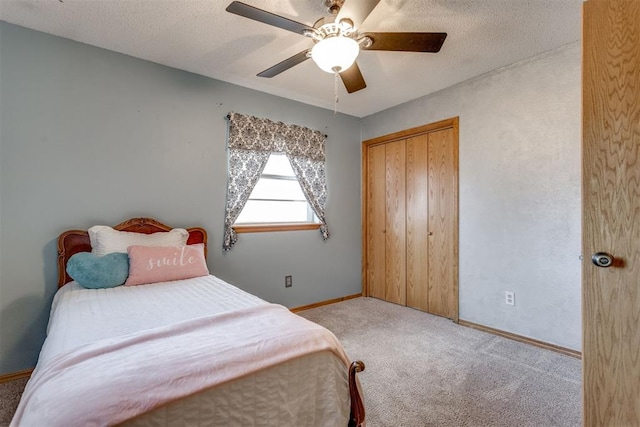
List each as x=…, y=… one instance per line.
x=73, y=241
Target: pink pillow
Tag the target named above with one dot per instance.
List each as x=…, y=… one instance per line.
x=152, y=264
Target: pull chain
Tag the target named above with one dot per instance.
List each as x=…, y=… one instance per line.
x=335, y=91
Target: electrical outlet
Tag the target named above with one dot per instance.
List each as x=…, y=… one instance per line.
x=509, y=298
x=288, y=282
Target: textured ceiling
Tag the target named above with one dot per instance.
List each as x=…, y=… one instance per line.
x=200, y=37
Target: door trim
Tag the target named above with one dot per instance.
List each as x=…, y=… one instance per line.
x=451, y=123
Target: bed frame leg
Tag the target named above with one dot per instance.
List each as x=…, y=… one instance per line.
x=357, y=406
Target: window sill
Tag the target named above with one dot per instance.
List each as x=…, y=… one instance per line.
x=261, y=228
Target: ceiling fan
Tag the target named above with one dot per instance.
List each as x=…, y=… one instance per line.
x=337, y=40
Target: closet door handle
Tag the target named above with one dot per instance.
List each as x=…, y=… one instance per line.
x=430, y=233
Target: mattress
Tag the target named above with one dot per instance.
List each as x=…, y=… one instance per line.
x=308, y=390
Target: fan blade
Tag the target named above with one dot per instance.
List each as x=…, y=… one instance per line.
x=285, y=65
x=356, y=10
x=352, y=78
x=406, y=42
x=268, y=18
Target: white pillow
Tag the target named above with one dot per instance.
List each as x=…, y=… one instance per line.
x=106, y=240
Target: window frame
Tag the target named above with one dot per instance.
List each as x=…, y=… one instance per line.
x=265, y=227
x=261, y=227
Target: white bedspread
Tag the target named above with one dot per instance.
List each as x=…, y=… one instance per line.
x=80, y=316
x=160, y=344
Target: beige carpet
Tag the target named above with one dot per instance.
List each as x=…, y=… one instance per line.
x=10, y=393
x=424, y=370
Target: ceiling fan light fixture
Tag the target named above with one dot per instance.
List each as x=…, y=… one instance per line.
x=335, y=54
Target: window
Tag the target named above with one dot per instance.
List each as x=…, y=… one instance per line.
x=273, y=196
x=276, y=201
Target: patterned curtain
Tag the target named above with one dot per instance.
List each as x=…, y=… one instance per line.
x=251, y=142
x=310, y=174
x=245, y=168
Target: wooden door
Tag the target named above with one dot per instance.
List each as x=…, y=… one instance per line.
x=395, y=229
x=611, y=212
x=376, y=209
x=418, y=222
x=443, y=224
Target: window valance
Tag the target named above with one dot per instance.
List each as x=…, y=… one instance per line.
x=259, y=134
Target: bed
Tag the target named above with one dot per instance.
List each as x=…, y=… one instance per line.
x=197, y=351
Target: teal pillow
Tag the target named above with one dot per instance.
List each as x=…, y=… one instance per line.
x=94, y=272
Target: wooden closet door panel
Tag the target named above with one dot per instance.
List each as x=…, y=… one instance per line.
x=611, y=212
x=376, y=214
x=443, y=161
x=417, y=222
x=395, y=249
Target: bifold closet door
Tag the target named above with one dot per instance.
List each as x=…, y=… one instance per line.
x=386, y=260
x=376, y=217
x=395, y=224
x=431, y=223
x=417, y=222
x=442, y=224
x=411, y=219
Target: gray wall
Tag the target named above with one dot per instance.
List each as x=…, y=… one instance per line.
x=519, y=191
x=94, y=137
